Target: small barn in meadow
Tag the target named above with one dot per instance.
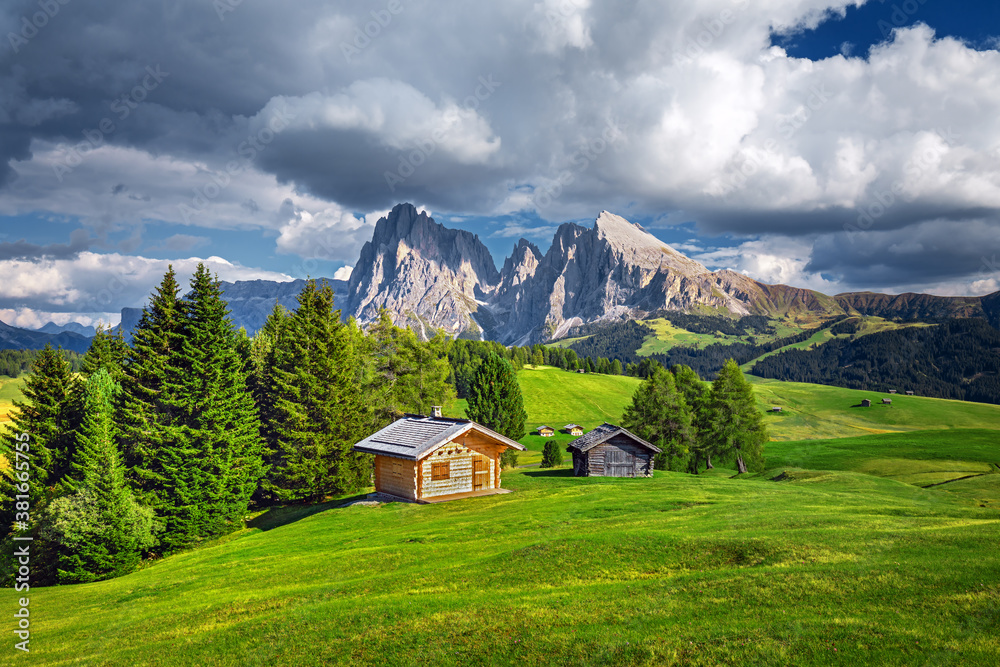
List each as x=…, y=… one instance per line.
x=866, y=403
x=909, y=392
x=430, y=459
x=892, y=391
x=776, y=408
x=612, y=451
x=545, y=431
x=573, y=429
x=886, y=401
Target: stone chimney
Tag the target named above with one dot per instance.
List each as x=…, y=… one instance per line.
x=435, y=411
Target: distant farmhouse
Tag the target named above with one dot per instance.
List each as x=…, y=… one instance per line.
x=573, y=429
x=431, y=459
x=776, y=408
x=611, y=451
x=545, y=431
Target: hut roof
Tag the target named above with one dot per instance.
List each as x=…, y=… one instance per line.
x=415, y=435
x=572, y=426
x=602, y=434
x=543, y=427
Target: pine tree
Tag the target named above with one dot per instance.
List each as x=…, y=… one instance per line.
x=737, y=427
x=659, y=414
x=46, y=421
x=495, y=402
x=320, y=411
x=99, y=530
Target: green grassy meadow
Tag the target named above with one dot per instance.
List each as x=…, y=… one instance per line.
x=841, y=553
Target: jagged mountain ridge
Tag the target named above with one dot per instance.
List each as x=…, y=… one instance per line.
x=428, y=275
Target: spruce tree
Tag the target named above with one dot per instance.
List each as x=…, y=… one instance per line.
x=495, y=401
x=98, y=531
x=736, y=425
x=216, y=427
x=551, y=455
x=46, y=420
x=319, y=408
x=659, y=414
x=106, y=350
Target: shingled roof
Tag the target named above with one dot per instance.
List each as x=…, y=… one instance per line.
x=415, y=435
x=602, y=434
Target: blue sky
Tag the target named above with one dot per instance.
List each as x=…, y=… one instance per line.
x=830, y=144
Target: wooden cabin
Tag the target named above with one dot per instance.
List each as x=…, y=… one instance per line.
x=430, y=459
x=545, y=431
x=611, y=451
x=892, y=391
x=886, y=401
x=909, y=392
x=573, y=429
x=776, y=408
x=866, y=403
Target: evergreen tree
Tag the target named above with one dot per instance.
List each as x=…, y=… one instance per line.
x=495, y=401
x=48, y=416
x=145, y=407
x=98, y=531
x=106, y=351
x=659, y=414
x=551, y=455
x=736, y=425
x=320, y=410
x=695, y=394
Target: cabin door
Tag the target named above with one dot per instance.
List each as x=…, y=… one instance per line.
x=480, y=472
x=619, y=463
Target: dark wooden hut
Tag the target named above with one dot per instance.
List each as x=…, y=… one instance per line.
x=421, y=458
x=909, y=392
x=612, y=451
x=866, y=403
x=886, y=401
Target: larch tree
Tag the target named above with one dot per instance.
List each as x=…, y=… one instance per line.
x=736, y=425
x=659, y=414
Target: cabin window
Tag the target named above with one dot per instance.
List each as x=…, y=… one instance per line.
x=440, y=471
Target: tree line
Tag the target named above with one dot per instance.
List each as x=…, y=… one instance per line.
x=955, y=359
x=167, y=442
x=14, y=363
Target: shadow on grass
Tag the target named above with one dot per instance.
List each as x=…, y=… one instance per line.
x=276, y=517
x=550, y=472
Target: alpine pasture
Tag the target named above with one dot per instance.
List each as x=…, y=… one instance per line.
x=837, y=554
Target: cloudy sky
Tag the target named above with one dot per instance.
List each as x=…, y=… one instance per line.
x=833, y=144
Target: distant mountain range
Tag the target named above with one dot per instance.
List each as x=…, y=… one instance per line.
x=428, y=276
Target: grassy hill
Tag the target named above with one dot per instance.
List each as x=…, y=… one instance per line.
x=843, y=569
x=836, y=555
x=10, y=391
